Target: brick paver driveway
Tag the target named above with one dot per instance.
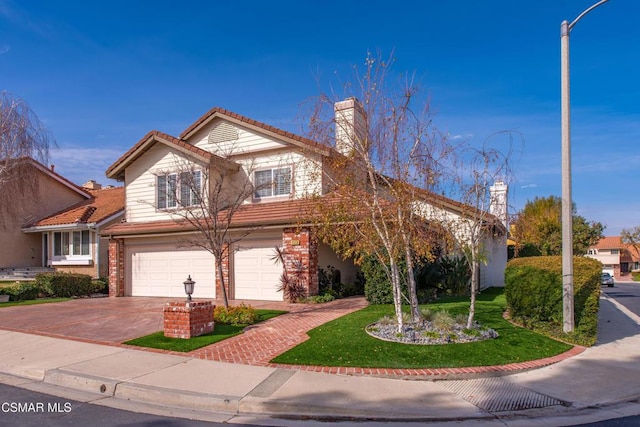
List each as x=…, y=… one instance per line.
x=114, y=320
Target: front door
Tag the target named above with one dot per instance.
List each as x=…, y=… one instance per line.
x=45, y=249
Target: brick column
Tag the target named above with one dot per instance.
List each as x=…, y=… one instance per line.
x=188, y=319
x=299, y=245
x=116, y=267
x=225, y=272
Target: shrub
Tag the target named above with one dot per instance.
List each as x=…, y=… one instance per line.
x=636, y=276
x=21, y=291
x=318, y=299
x=377, y=287
x=100, y=286
x=455, y=274
x=65, y=285
x=533, y=290
x=235, y=315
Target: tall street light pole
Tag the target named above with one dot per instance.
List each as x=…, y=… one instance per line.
x=567, y=204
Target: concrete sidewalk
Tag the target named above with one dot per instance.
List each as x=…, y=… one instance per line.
x=590, y=386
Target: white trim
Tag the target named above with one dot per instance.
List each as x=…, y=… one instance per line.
x=108, y=219
x=70, y=261
x=61, y=227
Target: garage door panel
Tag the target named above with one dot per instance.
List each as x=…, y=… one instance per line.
x=159, y=270
x=256, y=275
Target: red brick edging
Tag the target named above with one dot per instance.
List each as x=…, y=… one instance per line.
x=439, y=373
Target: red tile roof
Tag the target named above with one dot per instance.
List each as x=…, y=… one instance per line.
x=249, y=215
x=611, y=242
x=103, y=204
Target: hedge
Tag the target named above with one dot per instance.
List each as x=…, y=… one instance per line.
x=65, y=285
x=533, y=290
x=21, y=292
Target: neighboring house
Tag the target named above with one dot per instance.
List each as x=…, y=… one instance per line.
x=70, y=237
x=617, y=258
x=147, y=251
x=51, y=193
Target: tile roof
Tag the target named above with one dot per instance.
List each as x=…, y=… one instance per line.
x=610, y=242
x=103, y=204
x=250, y=215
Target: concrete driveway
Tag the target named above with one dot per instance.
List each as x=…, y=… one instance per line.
x=101, y=320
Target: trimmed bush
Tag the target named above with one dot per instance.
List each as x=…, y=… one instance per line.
x=235, y=315
x=65, y=285
x=533, y=290
x=21, y=292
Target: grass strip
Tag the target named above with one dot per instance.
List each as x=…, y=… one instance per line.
x=32, y=302
x=220, y=332
x=343, y=342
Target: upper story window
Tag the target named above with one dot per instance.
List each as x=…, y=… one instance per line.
x=272, y=182
x=593, y=252
x=71, y=244
x=174, y=190
x=615, y=251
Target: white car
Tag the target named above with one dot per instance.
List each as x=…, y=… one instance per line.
x=607, y=279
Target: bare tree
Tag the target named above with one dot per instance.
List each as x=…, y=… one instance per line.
x=471, y=227
x=631, y=237
x=22, y=137
x=206, y=197
x=389, y=151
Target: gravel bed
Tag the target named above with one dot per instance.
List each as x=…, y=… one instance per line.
x=424, y=333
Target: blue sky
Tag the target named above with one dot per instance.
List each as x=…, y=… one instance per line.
x=101, y=74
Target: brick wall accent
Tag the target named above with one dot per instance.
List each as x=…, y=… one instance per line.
x=299, y=244
x=188, y=319
x=116, y=267
x=225, y=272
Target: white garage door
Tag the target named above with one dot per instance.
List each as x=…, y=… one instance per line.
x=159, y=271
x=256, y=275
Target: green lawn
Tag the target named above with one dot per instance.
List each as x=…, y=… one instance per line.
x=32, y=302
x=220, y=332
x=343, y=342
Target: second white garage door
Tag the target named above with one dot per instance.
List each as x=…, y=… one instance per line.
x=159, y=271
x=256, y=275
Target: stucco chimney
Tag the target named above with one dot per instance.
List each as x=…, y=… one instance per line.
x=499, y=201
x=350, y=124
x=92, y=185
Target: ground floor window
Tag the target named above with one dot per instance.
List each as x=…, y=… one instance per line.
x=71, y=244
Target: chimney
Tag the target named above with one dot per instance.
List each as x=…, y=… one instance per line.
x=92, y=185
x=350, y=125
x=53, y=168
x=498, y=202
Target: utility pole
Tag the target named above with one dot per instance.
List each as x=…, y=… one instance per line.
x=567, y=203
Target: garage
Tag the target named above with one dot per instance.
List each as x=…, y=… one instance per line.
x=256, y=275
x=160, y=270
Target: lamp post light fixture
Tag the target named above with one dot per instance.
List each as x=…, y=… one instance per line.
x=567, y=203
x=188, y=287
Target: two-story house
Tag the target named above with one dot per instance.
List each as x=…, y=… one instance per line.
x=617, y=258
x=149, y=254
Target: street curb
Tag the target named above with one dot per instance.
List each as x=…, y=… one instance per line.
x=82, y=382
x=177, y=398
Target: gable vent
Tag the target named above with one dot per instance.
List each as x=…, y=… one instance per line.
x=223, y=132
